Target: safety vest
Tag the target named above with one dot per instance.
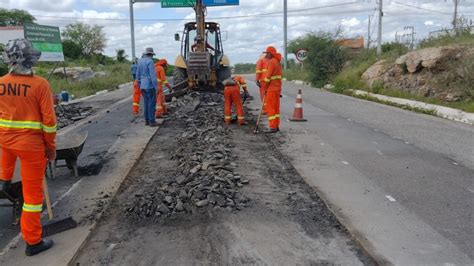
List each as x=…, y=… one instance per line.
x=274, y=75
x=27, y=117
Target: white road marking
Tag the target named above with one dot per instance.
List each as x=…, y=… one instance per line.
x=455, y=163
x=390, y=198
x=346, y=163
x=379, y=152
x=470, y=190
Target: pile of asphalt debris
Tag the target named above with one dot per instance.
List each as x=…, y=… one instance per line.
x=71, y=113
x=207, y=176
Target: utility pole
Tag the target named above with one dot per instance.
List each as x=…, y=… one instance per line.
x=285, y=34
x=455, y=18
x=132, y=29
x=368, y=32
x=379, y=41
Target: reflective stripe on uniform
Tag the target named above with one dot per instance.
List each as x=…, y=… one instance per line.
x=275, y=77
x=52, y=129
x=32, y=208
x=264, y=70
x=273, y=117
x=136, y=104
x=166, y=81
x=241, y=117
x=227, y=117
x=259, y=71
x=267, y=80
x=27, y=125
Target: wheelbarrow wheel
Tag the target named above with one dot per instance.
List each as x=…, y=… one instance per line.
x=70, y=164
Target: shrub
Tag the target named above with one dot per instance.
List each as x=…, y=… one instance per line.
x=325, y=57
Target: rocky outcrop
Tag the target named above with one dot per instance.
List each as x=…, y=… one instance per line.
x=414, y=72
x=79, y=73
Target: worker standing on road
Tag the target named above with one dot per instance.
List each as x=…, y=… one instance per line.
x=146, y=77
x=232, y=97
x=272, y=88
x=161, y=67
x=136, y=90
x=133, y=69
x=261, y=70
x=27, y=132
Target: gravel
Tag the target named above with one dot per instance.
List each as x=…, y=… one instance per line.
x=69, y=114
x=206, y=177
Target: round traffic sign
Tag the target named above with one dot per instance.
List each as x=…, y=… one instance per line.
x=301, y=54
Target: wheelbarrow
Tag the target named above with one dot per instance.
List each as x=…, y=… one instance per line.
x=68, y=149
x=15, y=198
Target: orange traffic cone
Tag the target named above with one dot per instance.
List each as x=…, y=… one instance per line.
x=298, y=113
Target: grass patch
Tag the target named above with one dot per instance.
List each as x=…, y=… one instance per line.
x=116, y=74
x=402, y=106
x=297, y=74
x=462, y=38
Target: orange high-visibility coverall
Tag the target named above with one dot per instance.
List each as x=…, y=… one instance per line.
x=160, y=98
x=260, y=72
x=136, y=98
x=232, y=97
x=273, y=90
x=27, y=131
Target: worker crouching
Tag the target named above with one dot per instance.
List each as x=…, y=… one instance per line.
x=27, y=132
x=232, y=97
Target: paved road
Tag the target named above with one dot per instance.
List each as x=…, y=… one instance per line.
x=103, y=132
x=403, y=181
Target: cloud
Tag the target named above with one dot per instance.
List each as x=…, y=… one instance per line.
x=350, y=22
x=249, y=34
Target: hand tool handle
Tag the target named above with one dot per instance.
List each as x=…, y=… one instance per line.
x=261, y=113
x=47, y=199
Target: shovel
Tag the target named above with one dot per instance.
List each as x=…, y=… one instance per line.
x=260, y=114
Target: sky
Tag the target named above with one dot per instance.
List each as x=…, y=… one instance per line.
x=248, y=31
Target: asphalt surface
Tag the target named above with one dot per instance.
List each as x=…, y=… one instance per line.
x=424, y=163
x=102, y=134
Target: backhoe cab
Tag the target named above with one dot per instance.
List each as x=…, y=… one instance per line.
x=202, y=61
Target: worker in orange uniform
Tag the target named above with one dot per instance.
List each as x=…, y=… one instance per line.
x=161, y=66
x=261, y=70
x=136, y=90
x=136, y=98
x=272, y=88
x=27, y=132
x=232, y=97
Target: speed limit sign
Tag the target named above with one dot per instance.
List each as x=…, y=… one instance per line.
x=301, y=54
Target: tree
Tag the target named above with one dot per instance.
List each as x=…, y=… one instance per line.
x=121, y=56
x=3, y=66
x=325, y=57
x=15, y=17
x=91, y=39
x=71, y=50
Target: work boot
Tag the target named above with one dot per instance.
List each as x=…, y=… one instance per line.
x=153, y=124
x=32, y=250
x=147, y=123
x=272, y=130
x=5, y=187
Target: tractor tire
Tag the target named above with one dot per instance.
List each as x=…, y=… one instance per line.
x=223, y=73
x=179, y=75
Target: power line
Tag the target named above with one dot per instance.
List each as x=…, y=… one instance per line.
x=422, y=8
x=270, y=14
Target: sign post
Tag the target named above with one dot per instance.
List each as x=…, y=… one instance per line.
x=191, y=3
x=46, y=39
x=301, y=55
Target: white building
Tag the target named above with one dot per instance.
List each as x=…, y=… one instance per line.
x=10, y=33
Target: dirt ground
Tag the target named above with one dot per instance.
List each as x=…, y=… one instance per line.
x=283, y=223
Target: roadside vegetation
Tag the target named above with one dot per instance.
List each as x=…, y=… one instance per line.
x=328, y=63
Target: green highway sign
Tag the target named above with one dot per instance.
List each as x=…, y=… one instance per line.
x=191, y=3
x=178, y=3
x=47, y=39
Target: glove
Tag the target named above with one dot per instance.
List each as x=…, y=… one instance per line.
x=258, y=83
x=51, y=154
